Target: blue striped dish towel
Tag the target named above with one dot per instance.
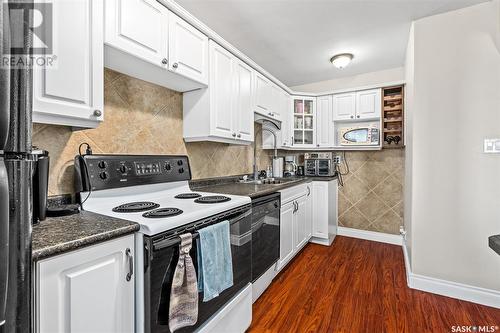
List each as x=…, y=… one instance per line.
x=215, y=263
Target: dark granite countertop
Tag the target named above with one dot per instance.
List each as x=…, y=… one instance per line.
x=494, y=242
x=56, y=235
x=230, y=185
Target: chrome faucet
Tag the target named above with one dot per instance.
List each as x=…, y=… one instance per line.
x=255, y=171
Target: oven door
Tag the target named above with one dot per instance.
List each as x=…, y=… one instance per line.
x=161, y=266
x=310, y=168
x=324, y=167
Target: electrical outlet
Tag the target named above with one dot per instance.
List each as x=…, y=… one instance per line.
x=492, y=146
x=337, y=159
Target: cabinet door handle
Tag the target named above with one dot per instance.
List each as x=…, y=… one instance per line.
x=358, y=116
x=164, y=61
x=175, y=65
x=234, y=135
x=352, y=117
x=308, y=191
x=130, y=258
x=97, y=113
x=239, y=135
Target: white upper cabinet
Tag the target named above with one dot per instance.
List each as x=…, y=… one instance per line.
x=364, y=104
x=304, y=122
x=88, y=290
x=286, y=121
x=344, y=106
x=140, y=28
x=223, y=112
x=145, y=40
x=368, y=104
x=263, y=94
x=221, y=91
x=277, y=105
x=324, y=122
x=71, y=92
x=244, y=126
x=187, y=50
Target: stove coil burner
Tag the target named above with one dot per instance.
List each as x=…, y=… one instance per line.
x=212, y=199
x=134, y=207
x=188, y=196
x=162, y=212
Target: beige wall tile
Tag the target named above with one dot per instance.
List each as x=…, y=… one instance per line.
x=140, y=118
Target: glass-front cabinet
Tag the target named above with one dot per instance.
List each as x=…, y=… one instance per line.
x=304, y=121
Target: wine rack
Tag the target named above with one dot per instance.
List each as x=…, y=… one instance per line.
x=393, y=117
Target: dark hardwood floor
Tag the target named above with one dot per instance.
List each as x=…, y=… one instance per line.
x=358, y=286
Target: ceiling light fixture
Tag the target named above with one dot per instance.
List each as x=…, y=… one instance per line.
x=341, y=60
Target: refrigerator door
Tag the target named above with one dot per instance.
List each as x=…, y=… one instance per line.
x=4, y=239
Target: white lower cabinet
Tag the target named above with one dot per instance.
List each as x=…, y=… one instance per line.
x=295, y=224
x=70, y=92
x=324, y=211
x=87, y=290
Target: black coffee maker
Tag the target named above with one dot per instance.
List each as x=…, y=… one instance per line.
x=40, y=184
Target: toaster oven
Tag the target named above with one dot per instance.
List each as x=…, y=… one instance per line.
x=319, y=164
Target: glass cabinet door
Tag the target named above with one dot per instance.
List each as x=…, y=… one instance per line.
x=303, y=122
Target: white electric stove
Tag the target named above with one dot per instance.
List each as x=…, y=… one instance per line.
x=154, y=192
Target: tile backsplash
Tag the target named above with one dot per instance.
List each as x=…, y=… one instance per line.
x=140, y=118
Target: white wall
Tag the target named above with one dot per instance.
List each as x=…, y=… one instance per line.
x=409, y=107
x=455, y=187
x=366, y=79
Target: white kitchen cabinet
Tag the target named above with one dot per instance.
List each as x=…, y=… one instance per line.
x=364, y=104
x=286, y=121
x=187, y=49
x=368, y=104
x=140, y=28
x=223, y=112
x=277, y=105
x=325, y=211
x=87, y=290
x=71, y=91
x=221, y=91
x=287, y=248
x=344, y=106
x=244, y=119
x=145, y=40
x=324, y=122
x=300, y=223
x=309, y=212
x=304, y=122
x=263, y=95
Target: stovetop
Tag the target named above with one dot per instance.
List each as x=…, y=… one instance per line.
x=163, y=196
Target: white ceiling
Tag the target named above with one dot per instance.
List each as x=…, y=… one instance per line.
x=294, y=39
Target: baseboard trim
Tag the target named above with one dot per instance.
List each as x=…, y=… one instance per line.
x=451, y=289
x=371, y=235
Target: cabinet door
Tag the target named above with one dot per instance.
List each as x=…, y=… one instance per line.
x=320, y=209
x=262, y=95
x=244, y=102
x=187, y=49
x=344, y=106
x=309, y=212
x=276, y=102
x=304, y=122
x=300, y=224
x=221, y=91
x=71, y=92
x=286, y=235
x=138, y=27
x=87, y=290
x=368, y=104
x=324, y=123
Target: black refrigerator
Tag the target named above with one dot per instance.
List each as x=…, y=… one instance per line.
x=16, y=161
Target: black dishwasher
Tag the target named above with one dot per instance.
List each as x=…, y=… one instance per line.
x=265, y=233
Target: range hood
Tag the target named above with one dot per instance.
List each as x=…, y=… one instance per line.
x=264, y=120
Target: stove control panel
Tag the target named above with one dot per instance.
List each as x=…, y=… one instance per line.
x=100, y=172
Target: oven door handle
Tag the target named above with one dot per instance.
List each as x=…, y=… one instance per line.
x=176, y=240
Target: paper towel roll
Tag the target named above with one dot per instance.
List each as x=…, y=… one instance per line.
x=278, y=167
